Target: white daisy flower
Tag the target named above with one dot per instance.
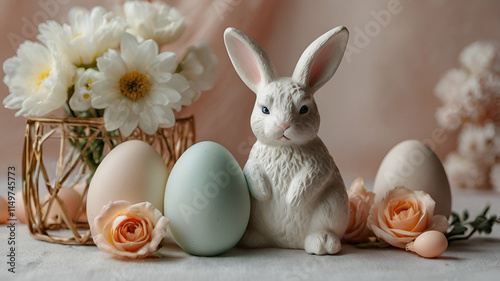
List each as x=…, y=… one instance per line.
x=38, y=80
x=89, y=35
x=157, y=21
x=199, y=66
x=82, y=96
x=137, y=86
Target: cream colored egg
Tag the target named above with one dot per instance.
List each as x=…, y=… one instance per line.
x=69, y=197
x=132, y=171
x=4, y=210
x=412, y=164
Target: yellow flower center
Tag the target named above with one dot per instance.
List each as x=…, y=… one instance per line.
x=89, y=82
x=134, y=85
x=43, y=75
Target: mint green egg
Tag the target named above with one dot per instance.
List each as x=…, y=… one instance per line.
x=207, y=200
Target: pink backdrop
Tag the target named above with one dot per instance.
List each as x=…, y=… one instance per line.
x=381, y=94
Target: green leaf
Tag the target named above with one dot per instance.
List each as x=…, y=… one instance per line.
x=459, y=230
x=486, y=210
x=466, y=215
x=455, y=219
x=456, y=230
x=492, y=219
x=478, y=222
x=158, y=255
x=485, y=228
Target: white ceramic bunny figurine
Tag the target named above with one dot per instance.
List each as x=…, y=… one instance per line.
x=299, y=199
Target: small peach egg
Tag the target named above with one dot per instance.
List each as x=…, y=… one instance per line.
x=69, y=197
x=82, y=217
x=20, y=210
x=80, y=188
x=4, y=210
x=429, y=244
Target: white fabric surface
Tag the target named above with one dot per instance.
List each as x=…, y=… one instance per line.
x=476, y=259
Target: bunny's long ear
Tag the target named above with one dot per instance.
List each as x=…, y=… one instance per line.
x=320, y=60
x=250, y=61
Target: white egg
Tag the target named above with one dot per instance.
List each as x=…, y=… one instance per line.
x=132, y=171
x=414, y=165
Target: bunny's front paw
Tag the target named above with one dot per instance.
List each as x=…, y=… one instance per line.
x=258, y=182
x=321, y=243
x=258, y=190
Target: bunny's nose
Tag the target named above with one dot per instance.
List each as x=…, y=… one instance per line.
x=285, y=126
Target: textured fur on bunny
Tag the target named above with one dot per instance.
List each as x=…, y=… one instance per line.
x=298, y=195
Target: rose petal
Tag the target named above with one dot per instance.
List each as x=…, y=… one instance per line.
x=405, y=219
x=439, y=223
x=159, y=233
x=399, y=242
x=108, y=212
x=360, y=202
x=422, y=223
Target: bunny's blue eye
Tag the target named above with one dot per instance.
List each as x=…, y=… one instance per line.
x=304, y=109
x=265, y=110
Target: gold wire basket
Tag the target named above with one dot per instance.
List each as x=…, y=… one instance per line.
x=58, y=154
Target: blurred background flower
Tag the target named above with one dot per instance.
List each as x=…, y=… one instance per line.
x=156, y=21
x=470, y=96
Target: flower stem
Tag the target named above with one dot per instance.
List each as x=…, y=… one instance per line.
x=70, y=111
x=463, y=237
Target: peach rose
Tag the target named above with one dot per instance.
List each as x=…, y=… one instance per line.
x=360, y=202
x=402, y=215
x=129, y=231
